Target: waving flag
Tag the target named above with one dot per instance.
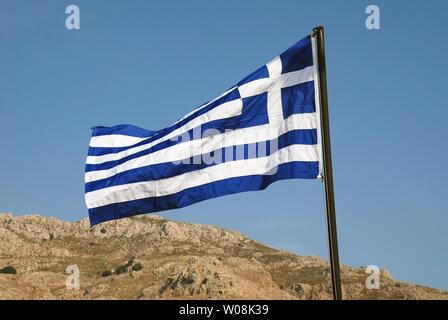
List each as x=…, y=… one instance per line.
x=263, y=129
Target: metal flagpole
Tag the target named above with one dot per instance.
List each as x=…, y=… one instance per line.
x=327, y=178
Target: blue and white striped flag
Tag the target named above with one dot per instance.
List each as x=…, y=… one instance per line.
x=265, y=128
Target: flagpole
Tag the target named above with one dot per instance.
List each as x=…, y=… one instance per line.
x=327, y=178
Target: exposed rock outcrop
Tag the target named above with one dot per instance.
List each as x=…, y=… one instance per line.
x=151, y=258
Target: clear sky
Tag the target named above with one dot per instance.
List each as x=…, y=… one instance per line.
x=148, y=63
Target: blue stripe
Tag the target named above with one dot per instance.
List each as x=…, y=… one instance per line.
x=170, y=169
x=298, y=99
x=260, y=73
x=298, y=57
x=291, y=170
x=124, y=129
x=232, y=95
x=255, y=111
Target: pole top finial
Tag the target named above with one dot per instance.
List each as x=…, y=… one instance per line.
x=317, y=30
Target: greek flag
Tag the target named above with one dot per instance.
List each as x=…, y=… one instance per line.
x=263, y=129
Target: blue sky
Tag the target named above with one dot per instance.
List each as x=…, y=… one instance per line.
x=149, y=62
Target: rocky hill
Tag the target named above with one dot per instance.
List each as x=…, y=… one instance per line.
x=152, y=258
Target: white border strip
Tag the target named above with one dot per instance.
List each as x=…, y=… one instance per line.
x=317, y=102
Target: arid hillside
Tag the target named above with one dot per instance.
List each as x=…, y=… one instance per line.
x=153, y=258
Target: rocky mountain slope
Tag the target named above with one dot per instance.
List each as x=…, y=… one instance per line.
x=152, y=258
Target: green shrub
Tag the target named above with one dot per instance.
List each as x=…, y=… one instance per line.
x=137, y=267
x=121, y=269
x=130, y=262
x=106, y=273
x=8, y=270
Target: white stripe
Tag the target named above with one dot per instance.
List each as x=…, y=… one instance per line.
x=255, y=87
x=114, y=141
x=317, y=104
x=275, y=68
x=275, y=109
x=157, y=188
x=208, y=144
x=204, y=105
x=296, y=77
x=226, y=110
x=289, y=79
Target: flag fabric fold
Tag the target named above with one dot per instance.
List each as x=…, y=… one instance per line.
x=263, y=129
